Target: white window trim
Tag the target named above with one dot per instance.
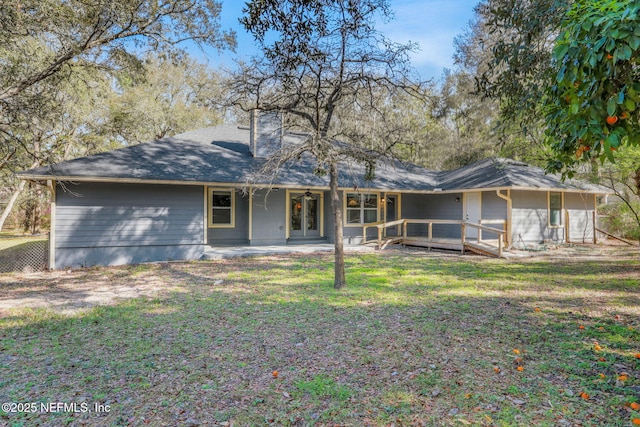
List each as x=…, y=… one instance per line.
x=344, y=208
x=561, y=209
x=210, y=192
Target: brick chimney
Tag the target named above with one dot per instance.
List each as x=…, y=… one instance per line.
x=266, y=132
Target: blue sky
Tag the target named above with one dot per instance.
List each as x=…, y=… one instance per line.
x=433, y=24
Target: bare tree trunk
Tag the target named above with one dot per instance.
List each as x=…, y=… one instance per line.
x=37, y=218
x=12, y=201
x=14, y=197
x=339, y=280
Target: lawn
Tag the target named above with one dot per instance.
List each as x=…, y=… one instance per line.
x=415, y=339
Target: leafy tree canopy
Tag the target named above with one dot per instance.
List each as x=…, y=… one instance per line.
x=591, y=108
x=100, y=32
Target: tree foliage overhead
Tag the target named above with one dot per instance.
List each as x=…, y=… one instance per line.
x=42, y=38
x=170, y=97
x=570, y=67
x=519, y=38
x=46, y=44
x=592, y=106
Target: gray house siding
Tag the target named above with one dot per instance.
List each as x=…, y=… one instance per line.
x=530, y=218
x=435, y=206
x=238, y=235
x=493, y=208
x=113, y=224
x=580, y=208
x=269, y=218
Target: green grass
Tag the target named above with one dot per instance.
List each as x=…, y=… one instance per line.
x=412, y=340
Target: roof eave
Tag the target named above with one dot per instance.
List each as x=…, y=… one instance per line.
x=36, y=177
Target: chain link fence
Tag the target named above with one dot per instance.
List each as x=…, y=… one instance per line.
x=24, y=253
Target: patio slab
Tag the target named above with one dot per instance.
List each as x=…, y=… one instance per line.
x=254, y=251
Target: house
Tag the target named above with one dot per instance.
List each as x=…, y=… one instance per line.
x=170, y=199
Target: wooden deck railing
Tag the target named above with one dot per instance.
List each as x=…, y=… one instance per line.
x=480, y=228
x=381, y=226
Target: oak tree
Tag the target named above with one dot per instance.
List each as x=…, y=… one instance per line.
x=324, y=65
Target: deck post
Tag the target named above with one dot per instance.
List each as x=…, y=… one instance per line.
x=379, y=237
x=430, y=231
x=479, y=232
x=364, y=234
x=463, y=229
x=404, y=230
x=595, y=233
x=500, y=246
x=504, y=236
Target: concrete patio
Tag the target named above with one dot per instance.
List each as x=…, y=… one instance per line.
x=222, y=252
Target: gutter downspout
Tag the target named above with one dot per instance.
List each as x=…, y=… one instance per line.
x=507, y=197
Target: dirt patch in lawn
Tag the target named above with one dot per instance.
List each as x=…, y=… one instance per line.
x=416, y=338
x=70, y=291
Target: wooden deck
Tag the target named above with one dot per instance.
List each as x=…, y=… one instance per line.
x=487, y=247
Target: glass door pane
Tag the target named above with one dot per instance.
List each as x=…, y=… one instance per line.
x=296, y=213
x=304, y=215
x=312, y=213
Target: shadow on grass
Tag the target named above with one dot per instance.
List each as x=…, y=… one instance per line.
x=410, y=338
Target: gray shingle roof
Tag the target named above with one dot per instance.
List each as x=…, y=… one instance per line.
x=221, y=155
x=503, y=173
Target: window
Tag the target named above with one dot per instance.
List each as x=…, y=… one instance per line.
x=361, y=208
x=555, y=209
x=221, y=208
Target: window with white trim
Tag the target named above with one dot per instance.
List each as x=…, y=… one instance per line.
x=555, y=209
x=361, y=208
x=221, y=208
